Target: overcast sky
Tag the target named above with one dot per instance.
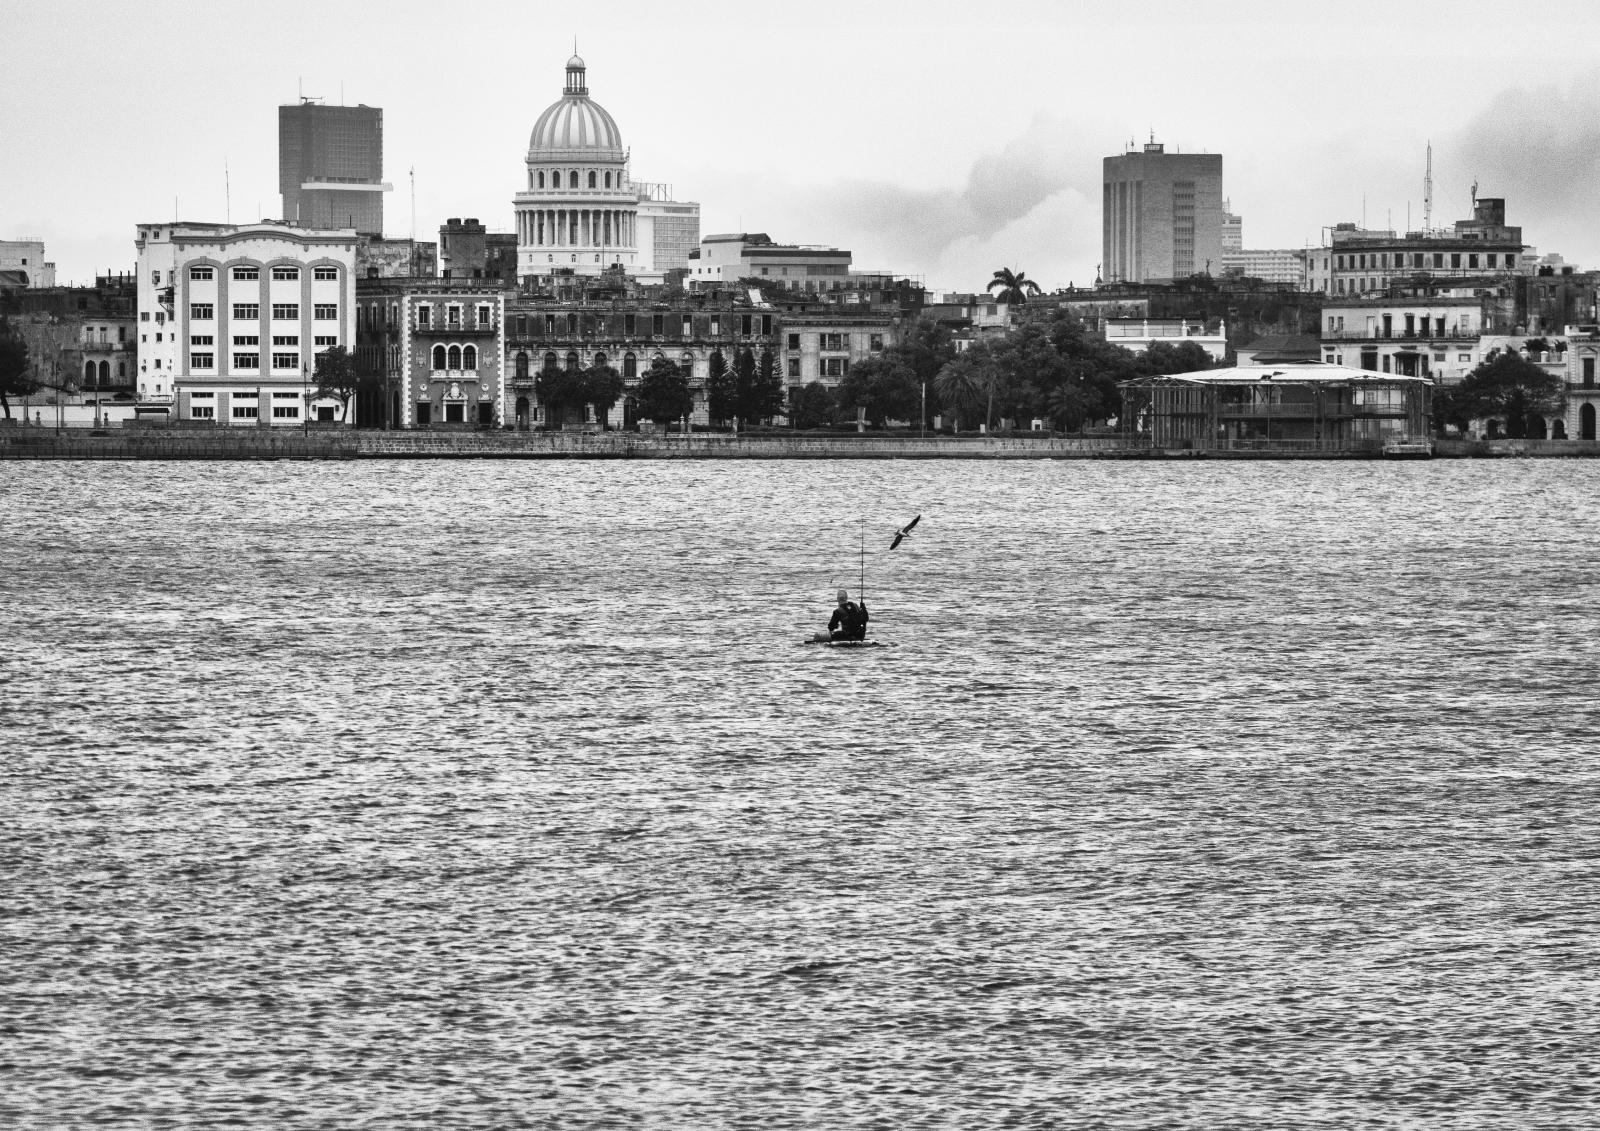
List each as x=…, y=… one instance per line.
x=934, y=139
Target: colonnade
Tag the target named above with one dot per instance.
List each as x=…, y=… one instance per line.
x=575, y=227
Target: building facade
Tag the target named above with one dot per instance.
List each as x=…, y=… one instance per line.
x=1360, y=261
x=1272, y=265
x=231, y=318
x=27, y=256
x=437, y=348
x=1162, y=215
x=580, y=210
x=729, y=257
x=330, y=166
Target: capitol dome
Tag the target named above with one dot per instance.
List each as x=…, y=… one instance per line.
x=576, y=127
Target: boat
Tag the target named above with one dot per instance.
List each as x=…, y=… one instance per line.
x=1407, y=447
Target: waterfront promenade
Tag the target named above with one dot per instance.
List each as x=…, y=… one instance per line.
x=345, y=444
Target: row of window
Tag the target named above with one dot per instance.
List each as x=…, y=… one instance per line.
x=280, y=361
x=1362, y=261
x=251, y=274
x=455, y=358
x=248, y=311
x=749, y=325
x=573, y=179
x=244, y=412
x=826, y=367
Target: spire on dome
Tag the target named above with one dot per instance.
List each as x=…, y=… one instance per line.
x=576, y=84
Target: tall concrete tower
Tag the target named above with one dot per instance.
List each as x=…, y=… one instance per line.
x=330, y=166
x=1162, y=215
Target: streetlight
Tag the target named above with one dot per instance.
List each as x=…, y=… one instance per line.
x=305, y=399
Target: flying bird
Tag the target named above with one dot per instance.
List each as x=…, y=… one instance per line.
x=904, y=532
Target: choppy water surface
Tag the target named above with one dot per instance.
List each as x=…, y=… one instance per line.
x=417, y=795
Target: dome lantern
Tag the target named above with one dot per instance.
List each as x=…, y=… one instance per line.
x=576, y=85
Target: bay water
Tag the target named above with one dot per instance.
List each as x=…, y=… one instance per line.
x=506, y=794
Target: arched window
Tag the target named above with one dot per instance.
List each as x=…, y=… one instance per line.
x=522, y=364
x=630, y=367
x=541, y=179
x=591, y=178
x=555, y=179
x=572, y=361
x=122, y=369
x=469, y=358
x=572, y=178
x=599, y=360
x=438, y=357
x=105, y=372
x=656, y=358
x=88, y=373
x=549, y=362
x=455, y=357
x=608, y=180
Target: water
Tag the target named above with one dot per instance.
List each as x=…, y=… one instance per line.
x=420, y=795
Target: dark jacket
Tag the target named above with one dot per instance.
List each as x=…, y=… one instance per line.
x=849, y=622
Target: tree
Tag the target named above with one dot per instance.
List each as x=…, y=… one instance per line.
x=602, y=387
x=812, y=406
x=1014, y=287
x=1162, y=358
x=966, y=383
x=559, y=390
x=719, y=389
x=744, y=379
x=337, y=377
x=14, y=379
x=664, y=393
x=926, y=347
x=1506, y=387
x=764, y=395
x=885, y=387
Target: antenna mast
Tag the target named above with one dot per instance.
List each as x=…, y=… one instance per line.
x=1427, y=193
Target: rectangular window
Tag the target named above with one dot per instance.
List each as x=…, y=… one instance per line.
x=286, y=339
x=794, y=367
x=285, y=396
x=688, y=326
x=203, y=396
x=877, y=341
x=794, y=341
x=202, y=361
x=452, y=316
x=1472, y=259
x=716, y=325
x=745, y=325
x=202, y=412
x=325, y=274
x=1455, y=259
x=285, y=311
x=246, y=340
x=325, y=311
x=285, y=274
x=201, y=274
x=144, y=316
x=629, y=324
x=286, y=361
x=247, y=361
x=424, y=317
x=1463, y=357
x=202, y=311
x=658, y=324
x=1492, y=257
x=246, y=274
x=483, y=315
x=323, y=340
x=285, y=412
x=1588, y=372
x=549, y=323
x=244, y=412
x=247, y=311
x=202, y=339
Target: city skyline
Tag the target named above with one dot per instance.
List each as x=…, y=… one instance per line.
x=934, y=140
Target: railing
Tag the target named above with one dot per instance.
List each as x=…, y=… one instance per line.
x=1296, y=409
x=1451, y=334
x=459, y=330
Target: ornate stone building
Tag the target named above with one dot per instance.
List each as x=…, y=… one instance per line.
x=581, y=210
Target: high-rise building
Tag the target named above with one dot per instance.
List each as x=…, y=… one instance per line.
x=1162, y=215
x=330, y=166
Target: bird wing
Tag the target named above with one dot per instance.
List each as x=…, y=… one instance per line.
x=899, y=534
x=910, y=525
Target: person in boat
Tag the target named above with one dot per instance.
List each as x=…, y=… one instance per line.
x=849, y=621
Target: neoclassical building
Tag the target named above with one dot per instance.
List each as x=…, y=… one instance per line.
x=580, y=211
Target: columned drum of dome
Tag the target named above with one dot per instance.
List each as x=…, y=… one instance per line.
x=579, y=207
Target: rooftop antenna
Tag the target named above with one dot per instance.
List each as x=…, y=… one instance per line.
x=1474, y=192
x=1427, y=192
x=227, y=194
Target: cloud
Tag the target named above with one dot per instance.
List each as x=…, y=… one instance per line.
x=1539, y=148
x=1033, y=205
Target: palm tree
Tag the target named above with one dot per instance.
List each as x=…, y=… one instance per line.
x=1014, y=288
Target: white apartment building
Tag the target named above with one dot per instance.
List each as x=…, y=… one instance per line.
x=1438, y=337
x=27, y=256
x=728, y=257
x=231, y=318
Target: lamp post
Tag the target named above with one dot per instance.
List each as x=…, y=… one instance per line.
x=305, y=399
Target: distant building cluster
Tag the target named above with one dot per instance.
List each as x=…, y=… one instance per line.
x=222, y=324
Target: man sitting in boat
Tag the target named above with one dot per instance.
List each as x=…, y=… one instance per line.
x=849, y=620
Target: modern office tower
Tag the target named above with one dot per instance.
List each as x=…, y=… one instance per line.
x=1162, y=215
x=330, y=166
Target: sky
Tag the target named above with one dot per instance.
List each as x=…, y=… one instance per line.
x=934, y=139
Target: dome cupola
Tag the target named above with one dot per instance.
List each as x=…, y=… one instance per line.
x=575, y=128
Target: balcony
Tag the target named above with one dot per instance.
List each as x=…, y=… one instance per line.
x=464, y=329
x=1421, y=337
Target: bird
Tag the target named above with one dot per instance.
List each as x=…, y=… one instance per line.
x=904, y=531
